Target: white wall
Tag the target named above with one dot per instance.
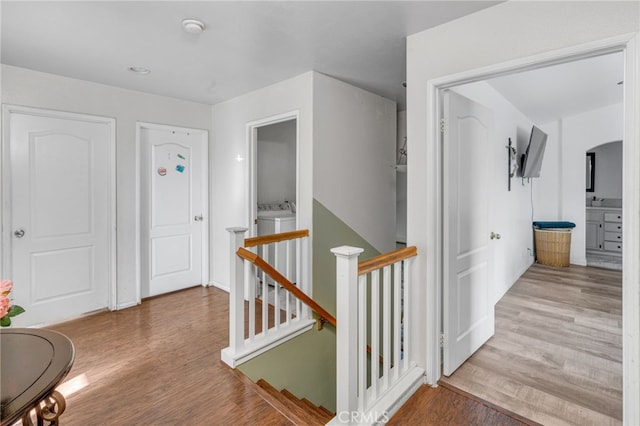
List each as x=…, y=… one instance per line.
x=496, y=35
x=276, y=152
x=353, y=158
x=547, y=189
x=35, y=89
x=608, y=171
x=401, y=180
x=580, y=133
x=509, y=211
x=229, y=179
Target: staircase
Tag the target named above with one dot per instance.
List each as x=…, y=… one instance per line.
x=298, y=411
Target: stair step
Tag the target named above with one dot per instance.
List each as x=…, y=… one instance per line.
x=291, y=396
x=290, y=408
x=304, y=403
x=322, y=412
x=327, y=412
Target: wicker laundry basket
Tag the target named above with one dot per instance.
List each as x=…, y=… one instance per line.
x=553, y=246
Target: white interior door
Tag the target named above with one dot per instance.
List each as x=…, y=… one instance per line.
x=174, y=212
x=468, y=311
x=59, y=219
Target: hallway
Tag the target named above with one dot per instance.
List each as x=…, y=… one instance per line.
x=556, y=356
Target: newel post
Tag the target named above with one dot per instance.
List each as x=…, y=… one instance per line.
x=236, y=290
x=347, y=329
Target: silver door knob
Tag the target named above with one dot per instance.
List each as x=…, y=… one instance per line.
x=494, y=236
x=19, y=233
x=198, y=218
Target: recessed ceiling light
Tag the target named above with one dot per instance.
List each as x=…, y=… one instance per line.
x=193, y=26
x=140, y=70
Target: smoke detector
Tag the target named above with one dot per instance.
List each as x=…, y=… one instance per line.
x=193, y=26
x=139, y=70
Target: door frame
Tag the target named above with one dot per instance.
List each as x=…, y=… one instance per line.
x=252, y=163
x=5, y=184
x=629, y=44
x=140, y=125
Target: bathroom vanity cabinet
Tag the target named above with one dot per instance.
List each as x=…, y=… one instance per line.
x=604, y=230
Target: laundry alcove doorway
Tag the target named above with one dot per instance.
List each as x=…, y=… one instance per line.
x=273, y=174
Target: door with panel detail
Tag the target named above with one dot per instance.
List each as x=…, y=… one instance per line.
x=468, y=309
x=60, y=213
x=173, y=207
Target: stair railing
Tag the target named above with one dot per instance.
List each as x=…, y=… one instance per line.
x=266, y=304
x=267, y=269
x=372, y=384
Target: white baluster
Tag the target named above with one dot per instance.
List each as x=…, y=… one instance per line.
x=305, y=276
x=362, y=342
x=250, y=277
x=375, y=332
x=386, y=324
x=291, y=278
x=265, y=292
x=236, y=290
x=406, y=314
x=347, y=329
x=397, y=325
x=276, y=289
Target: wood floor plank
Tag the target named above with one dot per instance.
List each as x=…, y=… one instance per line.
x=159, y=364
x=556, y=357
x=530, y=403
x=442, y=406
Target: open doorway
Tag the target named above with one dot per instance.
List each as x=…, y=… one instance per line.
x=604, y=221
x=558, y=195
x=273, y=174
x=273, y=194
x=276, y=177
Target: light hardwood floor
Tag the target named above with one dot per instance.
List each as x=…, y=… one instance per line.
x=159, y=364
x=556, y=356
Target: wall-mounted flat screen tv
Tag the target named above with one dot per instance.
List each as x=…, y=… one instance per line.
x=532, y=158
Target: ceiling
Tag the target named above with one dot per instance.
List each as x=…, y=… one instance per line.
x=246, y=45
x=550, y=93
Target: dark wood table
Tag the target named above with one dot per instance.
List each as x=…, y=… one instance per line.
x=33, y=362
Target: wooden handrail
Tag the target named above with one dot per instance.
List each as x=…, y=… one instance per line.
x=274, y=238
x=283, y=281
x=386, y=259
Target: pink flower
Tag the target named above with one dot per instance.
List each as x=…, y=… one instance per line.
x=5, y=287
x=4, y=305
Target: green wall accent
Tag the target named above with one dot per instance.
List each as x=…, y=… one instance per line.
x=329, y=232
x=306, y=365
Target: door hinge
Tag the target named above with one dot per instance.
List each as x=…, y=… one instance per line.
x=443, y=124
x=442, y=340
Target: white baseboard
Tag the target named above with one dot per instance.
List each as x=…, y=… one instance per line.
x=515, y=279
x=219, y=285
x=582, y=261
x=126, y=305
x=386, y=406
x=261, y=345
